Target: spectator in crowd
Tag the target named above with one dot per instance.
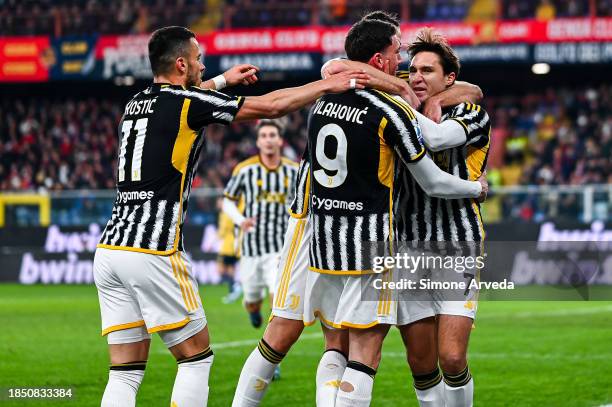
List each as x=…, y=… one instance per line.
x=545, y=11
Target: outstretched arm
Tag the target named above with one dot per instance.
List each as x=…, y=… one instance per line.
x=283, y=101
x=440, y=136
x=380, y=80
x=440, y=184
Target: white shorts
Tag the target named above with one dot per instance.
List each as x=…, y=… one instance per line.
x=409, y=311
x=292, y=271
x=346, y=301
x=257, y=274
x=145, y=290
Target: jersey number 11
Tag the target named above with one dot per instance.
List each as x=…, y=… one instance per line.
x=141, y=133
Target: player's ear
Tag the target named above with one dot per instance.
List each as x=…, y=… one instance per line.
x=376, y=61
x=450, y=79
x=181, y=64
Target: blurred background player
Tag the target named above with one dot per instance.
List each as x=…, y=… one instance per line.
x=264, y=183
x=228, y=254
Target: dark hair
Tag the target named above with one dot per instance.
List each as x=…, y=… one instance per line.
x=428, y=40
x=268, y=122
x=391, y=18
x=366, y=38
x=166, y=45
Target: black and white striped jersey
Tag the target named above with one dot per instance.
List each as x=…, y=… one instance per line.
x=299, y=205
x=421, y=218
x=266, y=193
x=161, y=134
x=354, y=140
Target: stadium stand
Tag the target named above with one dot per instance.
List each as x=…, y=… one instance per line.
x=549, y=9
x=76, y=17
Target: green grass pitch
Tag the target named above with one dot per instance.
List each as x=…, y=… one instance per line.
x=521, y=353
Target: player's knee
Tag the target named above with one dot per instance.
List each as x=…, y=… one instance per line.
x=282, y=333
x=453, y=362
x=129, y=344
x=421, y=362
x=336, y=339
x=188, y=340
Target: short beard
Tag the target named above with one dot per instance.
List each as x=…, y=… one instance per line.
x=192, y=80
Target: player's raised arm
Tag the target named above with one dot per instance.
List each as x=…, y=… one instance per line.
x=283, y=101
x=380, y=79
x=244, y=74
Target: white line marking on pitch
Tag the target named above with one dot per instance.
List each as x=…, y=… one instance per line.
x=559, y=313
x=254, y=342
x=246, y=343
x=586, y=311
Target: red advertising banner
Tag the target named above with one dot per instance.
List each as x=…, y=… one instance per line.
x=25, y=59
x=324, y=39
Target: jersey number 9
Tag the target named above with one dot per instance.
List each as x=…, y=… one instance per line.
x=337, y=163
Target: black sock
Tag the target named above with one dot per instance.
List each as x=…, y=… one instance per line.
x=458, y=380
x=427, y=380
x=268, y=353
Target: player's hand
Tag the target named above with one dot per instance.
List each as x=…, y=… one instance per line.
x=241, y=74
x=248, y=225
x=433, y=109
x=332, y=68
x=409, y=96
x=485, y=186
x=343, y=81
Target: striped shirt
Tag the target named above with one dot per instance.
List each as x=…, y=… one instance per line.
x=161, y=135
x=301, y=193
x=354, y=139
x=266, y=193
x=423, y=218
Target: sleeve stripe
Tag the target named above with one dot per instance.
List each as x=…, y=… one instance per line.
x=467, y=132
x=401, y=105
x=408, y=139
x=207, y=97
x=226, y=117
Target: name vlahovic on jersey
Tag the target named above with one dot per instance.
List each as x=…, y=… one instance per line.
x=423, y=218
x=266, y=194
x=161, y=137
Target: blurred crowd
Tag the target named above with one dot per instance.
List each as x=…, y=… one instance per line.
x=74, y=17
x=58, y=144
x=549, y=9
x=77, y=17
x=561, y=136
